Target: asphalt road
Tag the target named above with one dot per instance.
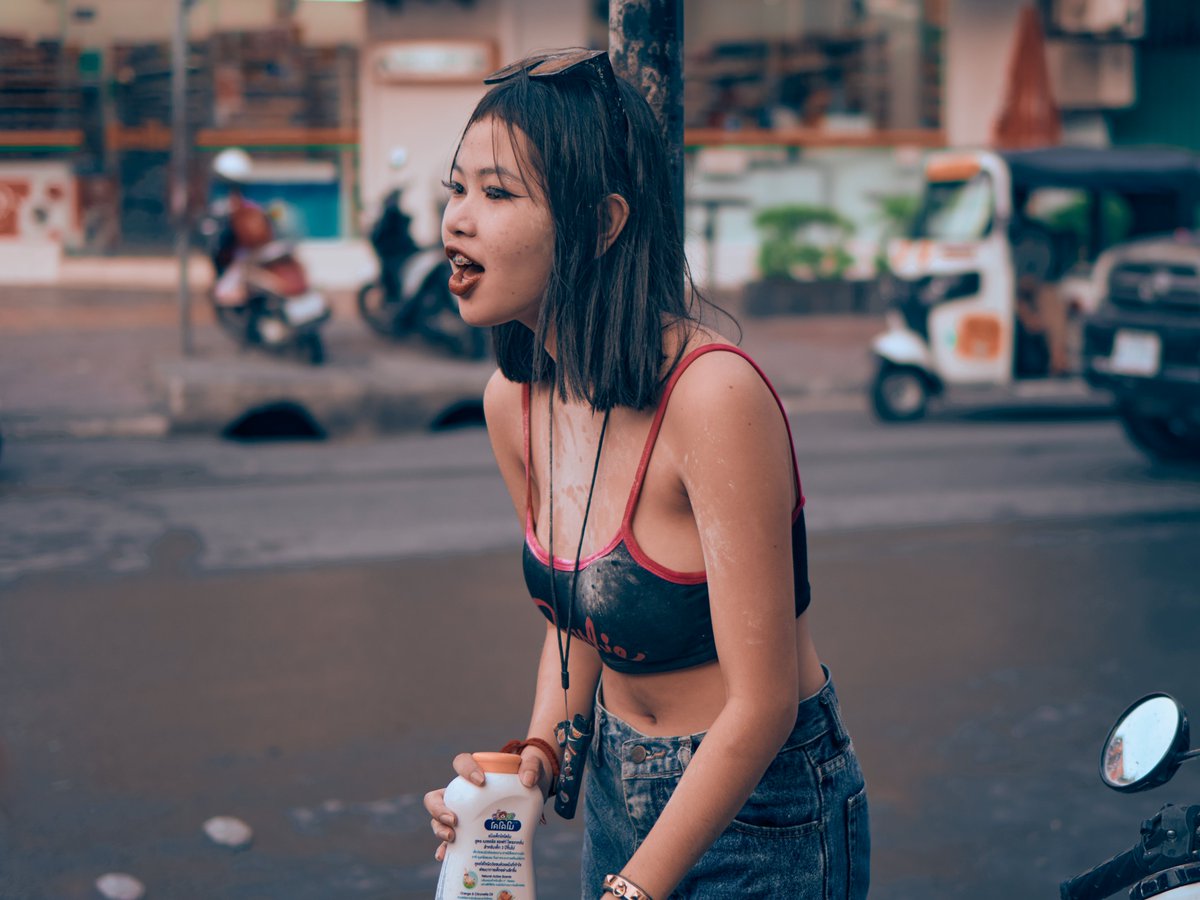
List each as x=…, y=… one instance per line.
x=302, y=635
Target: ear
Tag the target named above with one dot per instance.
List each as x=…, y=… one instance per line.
x=614, y=213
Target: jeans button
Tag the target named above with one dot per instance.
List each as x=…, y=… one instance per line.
x=638, y=754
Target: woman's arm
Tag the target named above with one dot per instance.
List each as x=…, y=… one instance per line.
x=734, y=460
x=502, y=409
x=549, y=706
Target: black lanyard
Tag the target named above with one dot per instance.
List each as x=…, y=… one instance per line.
x=564, y=651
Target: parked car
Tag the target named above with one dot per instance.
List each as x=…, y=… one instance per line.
x=1143, y=342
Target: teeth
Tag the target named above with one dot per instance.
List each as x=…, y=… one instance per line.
x=460, y=260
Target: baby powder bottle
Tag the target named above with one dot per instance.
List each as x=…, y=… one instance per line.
x=492, y=853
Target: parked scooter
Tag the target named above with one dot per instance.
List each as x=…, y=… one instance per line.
x=1142, y=751
x=260, y=295
x=986, y=290
x=412, y=293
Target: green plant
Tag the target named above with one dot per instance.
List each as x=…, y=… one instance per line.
x=801, y=240
x=1075, y=218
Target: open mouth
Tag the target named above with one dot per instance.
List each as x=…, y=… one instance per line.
x=466, y=274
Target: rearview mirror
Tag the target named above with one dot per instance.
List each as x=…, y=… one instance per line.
x=1146, y=746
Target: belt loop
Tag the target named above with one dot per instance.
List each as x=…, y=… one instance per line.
x=829, y=701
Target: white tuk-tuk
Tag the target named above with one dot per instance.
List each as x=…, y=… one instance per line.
x=994, y=231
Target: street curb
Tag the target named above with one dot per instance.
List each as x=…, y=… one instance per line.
x=41, y=428
x=378, y=414
x=378, y=396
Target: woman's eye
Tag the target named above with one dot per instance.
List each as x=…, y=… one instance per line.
x=453, y=187
x=495, y=193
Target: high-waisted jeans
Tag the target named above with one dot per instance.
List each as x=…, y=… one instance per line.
x=803, y=833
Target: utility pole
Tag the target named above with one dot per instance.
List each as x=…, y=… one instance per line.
x=645, y=42
x=180, y=139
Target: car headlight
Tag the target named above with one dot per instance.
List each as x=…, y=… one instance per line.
x=943, y=288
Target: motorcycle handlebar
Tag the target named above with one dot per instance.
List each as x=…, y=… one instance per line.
x=1106, y=879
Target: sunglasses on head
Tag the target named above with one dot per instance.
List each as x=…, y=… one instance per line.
x=561, y=62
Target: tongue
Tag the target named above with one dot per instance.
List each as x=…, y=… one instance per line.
x=464, y=279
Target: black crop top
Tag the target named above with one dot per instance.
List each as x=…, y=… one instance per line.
x=641, y=616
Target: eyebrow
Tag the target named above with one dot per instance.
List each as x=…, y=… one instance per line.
x=499, y=171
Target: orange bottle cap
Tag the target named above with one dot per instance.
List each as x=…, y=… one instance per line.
x=500, y=763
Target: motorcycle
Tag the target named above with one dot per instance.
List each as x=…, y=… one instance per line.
x=1143, y=750
x=260, y=293
x=412, y=294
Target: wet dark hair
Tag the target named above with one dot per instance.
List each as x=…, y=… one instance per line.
x=608, y=311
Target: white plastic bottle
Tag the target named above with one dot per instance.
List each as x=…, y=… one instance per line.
x=492, y=852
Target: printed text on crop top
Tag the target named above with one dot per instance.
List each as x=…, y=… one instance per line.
x=642, y=617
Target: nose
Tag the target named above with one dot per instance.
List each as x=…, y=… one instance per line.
x=458, y=218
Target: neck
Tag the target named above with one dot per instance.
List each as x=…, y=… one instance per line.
x=551, y=344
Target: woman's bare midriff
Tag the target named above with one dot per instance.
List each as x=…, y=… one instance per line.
x=687, y=701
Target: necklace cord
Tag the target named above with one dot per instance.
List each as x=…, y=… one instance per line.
x=564, y=651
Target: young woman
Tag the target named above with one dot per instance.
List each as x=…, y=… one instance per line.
x=650, y=463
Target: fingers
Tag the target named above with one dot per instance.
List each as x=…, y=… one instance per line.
x=435, y=805
x=530, y=771
x=535, y=768
x=443, y=818
x=465, y=765
x=442, y=831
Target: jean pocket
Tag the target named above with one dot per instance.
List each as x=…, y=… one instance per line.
x=786, y=801
x=645, y=799
x=858, y=840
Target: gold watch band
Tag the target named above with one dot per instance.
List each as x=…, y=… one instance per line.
x=620, y=886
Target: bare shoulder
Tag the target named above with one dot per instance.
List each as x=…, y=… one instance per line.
x=724, y=426
x=501, y=394
x=721, y=384
x=502, y=411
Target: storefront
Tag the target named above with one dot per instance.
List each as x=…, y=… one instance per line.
x=327, y=96
x=86, y=87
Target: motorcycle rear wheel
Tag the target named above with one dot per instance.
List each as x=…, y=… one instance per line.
x=380, y=315
x=236, y=322
x=442, y=325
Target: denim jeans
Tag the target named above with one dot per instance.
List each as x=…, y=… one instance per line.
x=802, y=834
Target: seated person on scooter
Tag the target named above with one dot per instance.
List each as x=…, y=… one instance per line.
x=392, y=239
x=1041, y=310
x=1041, y=257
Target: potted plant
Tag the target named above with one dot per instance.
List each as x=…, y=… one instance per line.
x=802, y=260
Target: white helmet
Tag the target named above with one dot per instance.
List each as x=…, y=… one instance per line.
x=232, y=164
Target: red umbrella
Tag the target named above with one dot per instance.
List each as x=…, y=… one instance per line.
x=1029, y=116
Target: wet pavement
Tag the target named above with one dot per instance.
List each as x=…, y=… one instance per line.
x=989, y=592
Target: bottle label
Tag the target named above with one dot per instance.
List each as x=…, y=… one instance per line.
x=498, y=861
x=503, y=821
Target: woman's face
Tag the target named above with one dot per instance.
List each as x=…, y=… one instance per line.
x=497, y=229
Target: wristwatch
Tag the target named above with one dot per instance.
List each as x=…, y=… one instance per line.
x=620, y=886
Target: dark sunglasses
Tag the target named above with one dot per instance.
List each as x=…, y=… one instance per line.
x=560, y=63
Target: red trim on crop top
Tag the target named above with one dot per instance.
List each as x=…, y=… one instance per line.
x=625, y=532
